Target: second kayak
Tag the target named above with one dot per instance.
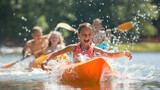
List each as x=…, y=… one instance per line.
x=36, y=63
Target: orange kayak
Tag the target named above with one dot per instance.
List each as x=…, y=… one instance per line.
x=91, y=71
x=36, y=63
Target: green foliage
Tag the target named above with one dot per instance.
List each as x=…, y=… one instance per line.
x=18, y=17
x=149, y=30
x=140, y=47
x=41, y=21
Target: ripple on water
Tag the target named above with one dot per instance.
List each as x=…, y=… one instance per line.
x=137, y=76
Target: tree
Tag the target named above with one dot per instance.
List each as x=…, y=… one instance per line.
x=115, y=12
x=17, y=17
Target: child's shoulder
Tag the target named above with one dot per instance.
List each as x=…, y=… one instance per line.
x=101, y=31
x=45, y=37
x=29, y=42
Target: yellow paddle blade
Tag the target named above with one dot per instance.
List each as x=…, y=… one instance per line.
x=66, y=26
x=125, y=26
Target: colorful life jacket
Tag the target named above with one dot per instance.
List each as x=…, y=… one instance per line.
x=89, y=53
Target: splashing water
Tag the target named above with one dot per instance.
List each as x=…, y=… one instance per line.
x=23, y=18
x=132, y=74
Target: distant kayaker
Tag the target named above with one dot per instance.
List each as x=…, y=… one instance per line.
x=85, y=47
x=55, y=42
x=101, y=38
x=37, y=45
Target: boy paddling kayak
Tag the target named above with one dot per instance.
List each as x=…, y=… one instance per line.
x=38, y=44
x=56, y=42
x=100, y=37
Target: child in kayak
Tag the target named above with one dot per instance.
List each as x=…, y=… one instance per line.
x=100, y=37
x=85, y=47
x=56, y=42
x=37, y=45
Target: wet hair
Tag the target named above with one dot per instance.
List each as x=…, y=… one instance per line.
x=98, y=21
x=61, y=40
x=36, y=29
x=85, y=26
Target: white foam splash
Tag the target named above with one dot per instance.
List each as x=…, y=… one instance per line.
x=4, y=49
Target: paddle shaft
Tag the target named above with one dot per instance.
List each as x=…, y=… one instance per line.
x=20, y=60
x=11, y=64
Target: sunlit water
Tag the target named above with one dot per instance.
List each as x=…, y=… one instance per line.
x=142, y=72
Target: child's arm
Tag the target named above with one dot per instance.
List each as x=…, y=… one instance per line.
x=26, y=47
x=69, y=48
x=45, y=42
x=45, y=37
x=113, y=55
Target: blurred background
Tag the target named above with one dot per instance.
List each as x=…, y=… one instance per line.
x=18, y=17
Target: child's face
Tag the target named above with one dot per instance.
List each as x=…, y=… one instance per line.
x=85, y=36
x=37, y=35
x=54, y=39
x=97, y=26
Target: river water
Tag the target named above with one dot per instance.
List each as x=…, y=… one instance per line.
x=140, y=73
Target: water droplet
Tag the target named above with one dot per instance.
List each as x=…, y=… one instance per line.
x=101, y=4
x=25, y=39
x=14, y=14
x=20, y=34
x=23, y=18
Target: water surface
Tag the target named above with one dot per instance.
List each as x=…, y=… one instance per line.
x=142, y=72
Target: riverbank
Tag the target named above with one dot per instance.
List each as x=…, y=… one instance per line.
x=137, y=47
x=5, y=49
x=140, y=47
x=9, y=45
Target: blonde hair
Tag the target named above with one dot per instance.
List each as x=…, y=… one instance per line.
x=61, y=40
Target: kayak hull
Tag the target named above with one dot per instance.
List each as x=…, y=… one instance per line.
x=91, y=71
